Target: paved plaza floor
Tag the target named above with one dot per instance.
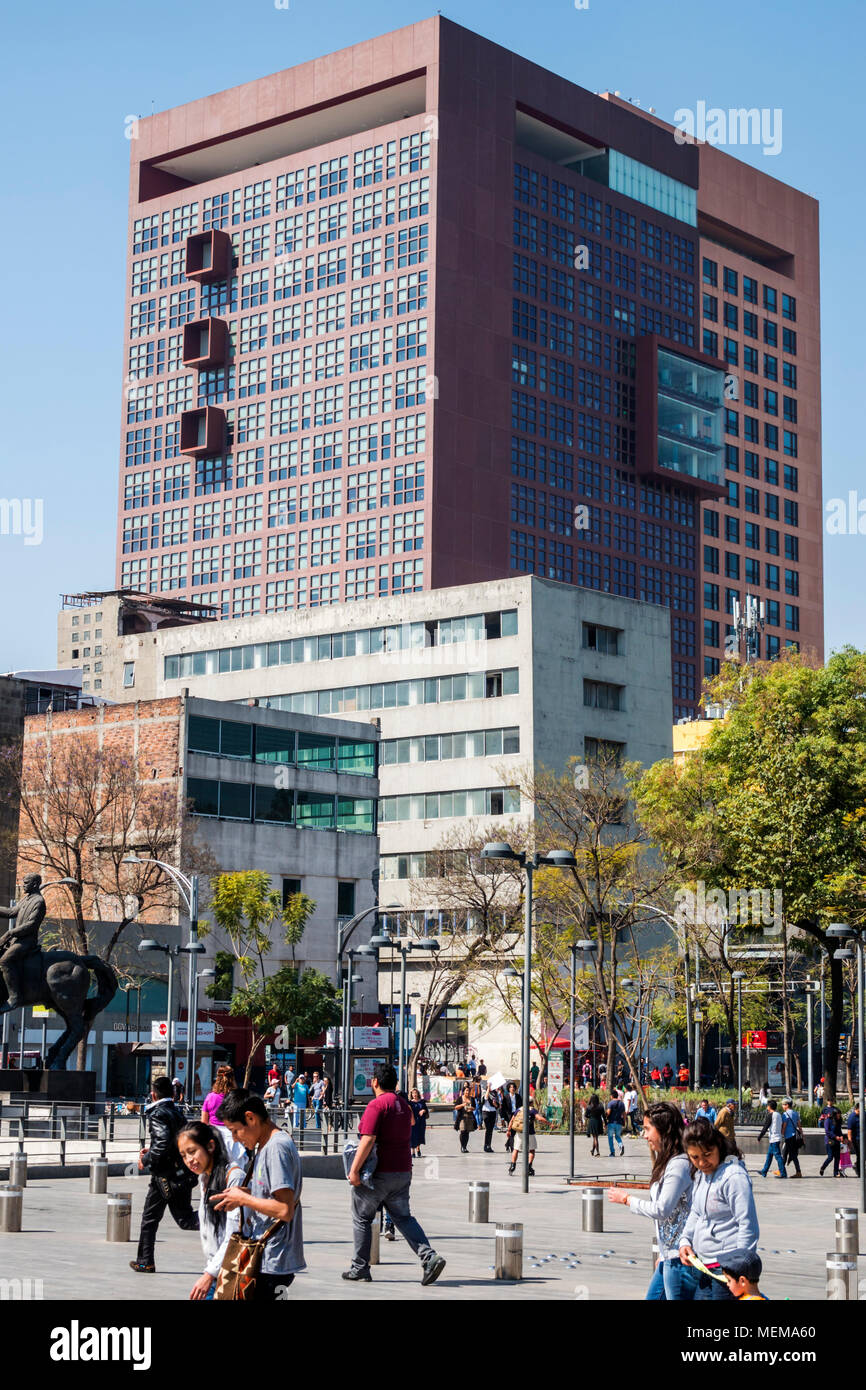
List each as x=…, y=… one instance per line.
x=63, y=1240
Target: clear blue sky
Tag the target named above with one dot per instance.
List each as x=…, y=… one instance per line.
x=72, y=73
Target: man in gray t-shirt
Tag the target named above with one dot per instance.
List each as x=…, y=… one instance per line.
x=274, y=1193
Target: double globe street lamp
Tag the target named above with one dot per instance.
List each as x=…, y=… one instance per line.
x=841, y=932
x=554, y=859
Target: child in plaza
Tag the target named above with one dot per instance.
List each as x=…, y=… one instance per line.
x=742, y=1270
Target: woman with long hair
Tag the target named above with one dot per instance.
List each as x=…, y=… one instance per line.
x=202, y=1150
x=669, y=1201
x=464, y=1118
x=723, y=1218
x=594, y=1116
x=224, y=1082
x=420, y=1115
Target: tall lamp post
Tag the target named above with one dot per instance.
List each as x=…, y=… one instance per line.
x=427, y=943
x=170, y=951
x=207, y=974
x=187, y=887
x=345, y=931
x=841, y=932
x=586, y=947
x=739, y=976
x=556, y=859
x=811, y=988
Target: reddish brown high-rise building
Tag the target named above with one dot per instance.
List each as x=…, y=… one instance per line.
x=421, y=313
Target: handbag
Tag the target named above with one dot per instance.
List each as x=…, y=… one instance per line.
x=845, y=1160
x=242, y=1261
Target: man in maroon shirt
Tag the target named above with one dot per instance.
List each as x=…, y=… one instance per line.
x=386, y=1122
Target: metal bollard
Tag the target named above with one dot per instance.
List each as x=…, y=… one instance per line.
x=18, y=1170
x=841, y=1278
x=508, y=1261
x=11, y=1203
x=99, y=1176
x=118, y=1216
x=847, y=1231
x=479, y=1201
x=376, y=1229
x=592, y=1209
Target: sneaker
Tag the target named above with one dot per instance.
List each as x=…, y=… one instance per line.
x=432, y=1269
x=621, y=1150
x=389, y=1235
x=141, y=1267
x=358, y=1276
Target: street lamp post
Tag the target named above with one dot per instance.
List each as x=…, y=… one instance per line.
x=187, y=886
x=810, y=1049
x=586, y=947
x=739, y=976
x=559, y=859
x=344, y=933
x=207, y=974
x=427, y=943
x=170, y=951
x=841, y=932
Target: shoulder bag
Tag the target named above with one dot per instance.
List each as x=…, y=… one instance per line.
x=242, y=1260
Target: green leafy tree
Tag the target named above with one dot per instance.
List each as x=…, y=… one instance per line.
x=774, y=801
x=287, y=1004
x=247, y=910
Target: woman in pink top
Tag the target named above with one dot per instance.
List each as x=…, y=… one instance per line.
x=225, y=1082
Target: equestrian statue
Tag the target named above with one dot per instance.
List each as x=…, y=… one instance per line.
x=58, y=979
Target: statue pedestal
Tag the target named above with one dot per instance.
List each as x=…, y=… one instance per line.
x=76, y=1087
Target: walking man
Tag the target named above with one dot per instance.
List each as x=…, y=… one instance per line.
x=773, y=1123
x=170, y=1182
x=615, y=1118
x=387, y=1124
x=317, y=1095
x=792, y=1133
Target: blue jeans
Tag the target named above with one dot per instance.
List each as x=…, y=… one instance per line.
x=774, y=1151
x=317, y=1110
x=614, y=1131
x=390, y=1190
x=672, y=1281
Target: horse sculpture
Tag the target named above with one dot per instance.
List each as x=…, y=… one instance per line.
x=61, y=981
x=58, y=979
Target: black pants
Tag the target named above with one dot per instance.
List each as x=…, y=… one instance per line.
x=789, y=1154
x=269, y=1287
x=155, y=1203
x=489, y=1117
x=464, y=1139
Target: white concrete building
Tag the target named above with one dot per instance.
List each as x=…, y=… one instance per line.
x=465, y=684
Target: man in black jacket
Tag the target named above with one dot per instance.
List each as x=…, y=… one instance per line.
x=170, y=1183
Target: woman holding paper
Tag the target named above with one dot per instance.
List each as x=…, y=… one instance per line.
x=723, y=1218
x=669, y=1201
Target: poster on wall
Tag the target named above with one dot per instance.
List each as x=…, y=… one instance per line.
x=555, y=1075
x=362, y=1071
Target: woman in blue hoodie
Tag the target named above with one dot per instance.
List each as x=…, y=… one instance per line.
x=723, y=1216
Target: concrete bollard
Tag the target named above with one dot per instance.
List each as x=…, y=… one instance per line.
x=841, y=1278
x=11, y=1204
x=18, y=1170
x=479, y=1202
x=847, y=1231
x=592, y=1209
x=118, y=1220
x=508, y=1261
x=99, y=1176
x=376, y=1230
